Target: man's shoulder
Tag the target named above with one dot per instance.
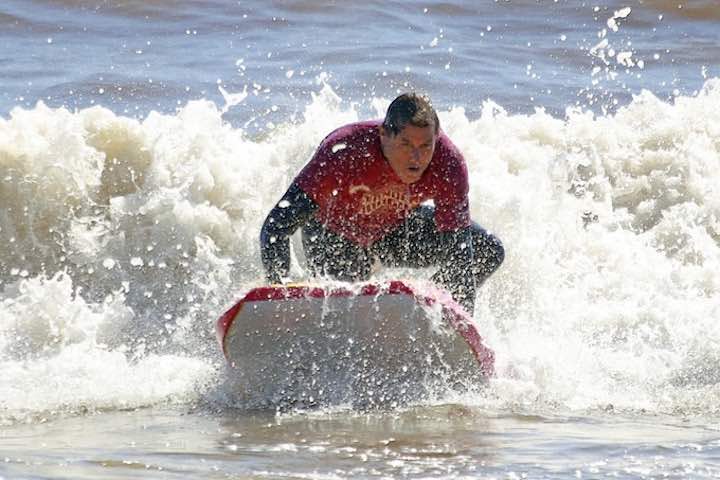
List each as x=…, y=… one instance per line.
x=448, y=149
x=351, y=146
x=354, y=132
x=448, y=170
x=448, y=162
x=346, y=152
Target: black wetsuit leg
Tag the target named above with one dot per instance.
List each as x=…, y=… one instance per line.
x=464, y=259
x=461, y=269
x=329, y=254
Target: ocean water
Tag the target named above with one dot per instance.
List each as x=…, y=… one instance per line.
x=143, y=142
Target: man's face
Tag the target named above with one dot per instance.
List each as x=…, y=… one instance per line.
x=410, y=151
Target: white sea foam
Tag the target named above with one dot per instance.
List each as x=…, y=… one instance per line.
x=60, y=355
x=609, y=293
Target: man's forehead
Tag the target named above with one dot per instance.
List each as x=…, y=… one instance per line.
x=411, y=132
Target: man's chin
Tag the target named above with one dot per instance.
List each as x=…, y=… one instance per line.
x=411, y=177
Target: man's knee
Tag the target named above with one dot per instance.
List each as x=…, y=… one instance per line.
x=488, y=252
x=496, y=249
x=330, y=255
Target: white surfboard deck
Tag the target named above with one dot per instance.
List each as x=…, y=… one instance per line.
x=372, y=344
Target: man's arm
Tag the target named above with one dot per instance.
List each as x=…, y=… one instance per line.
x=292, y=211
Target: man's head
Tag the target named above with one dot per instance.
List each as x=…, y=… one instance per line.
x=408, y=136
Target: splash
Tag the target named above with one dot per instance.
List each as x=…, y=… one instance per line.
x=609, y=291
x=60, y=356
x=125, y=239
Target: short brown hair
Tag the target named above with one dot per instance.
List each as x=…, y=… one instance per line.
x=410, y=108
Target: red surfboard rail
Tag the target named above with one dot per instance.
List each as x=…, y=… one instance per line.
x=454, y=314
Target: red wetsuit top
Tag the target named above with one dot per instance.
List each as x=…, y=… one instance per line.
x=360, y=197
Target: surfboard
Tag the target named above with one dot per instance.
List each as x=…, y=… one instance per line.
x=369, y=344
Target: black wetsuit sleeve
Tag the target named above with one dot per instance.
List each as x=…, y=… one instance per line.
x=291, y=212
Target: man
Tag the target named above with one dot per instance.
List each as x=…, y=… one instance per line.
x=363, y=198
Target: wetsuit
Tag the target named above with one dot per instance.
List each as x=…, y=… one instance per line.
x=354, y=210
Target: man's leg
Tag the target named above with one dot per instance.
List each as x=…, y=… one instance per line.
x=329, y=254
x=418, y=244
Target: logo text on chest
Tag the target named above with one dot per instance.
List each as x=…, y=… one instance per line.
x=388, y=199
